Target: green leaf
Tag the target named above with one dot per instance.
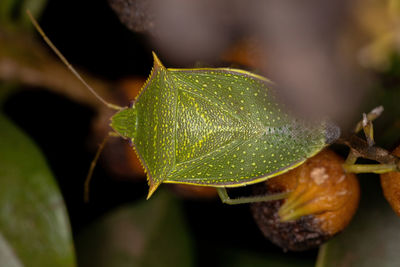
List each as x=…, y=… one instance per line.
x=34, y=227
x=148, y=233
x=371, y=240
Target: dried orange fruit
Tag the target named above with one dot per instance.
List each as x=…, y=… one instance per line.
x=322, y=201
x=391, y=186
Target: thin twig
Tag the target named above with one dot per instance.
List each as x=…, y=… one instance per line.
x=361, y=148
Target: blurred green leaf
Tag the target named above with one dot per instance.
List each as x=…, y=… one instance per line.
x=13, y=12
x=35, y=6
x=6, y=7
x=371, y=240
x=6, y=89
x=149, y=233
x=34, y=227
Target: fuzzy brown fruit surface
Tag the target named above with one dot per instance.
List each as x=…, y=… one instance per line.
x=391, y=186
x=322, y=201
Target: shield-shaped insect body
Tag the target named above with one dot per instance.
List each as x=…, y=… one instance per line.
x=216, y=127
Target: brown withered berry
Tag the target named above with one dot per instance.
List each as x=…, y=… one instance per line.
x=391, y=186
x=322, y=201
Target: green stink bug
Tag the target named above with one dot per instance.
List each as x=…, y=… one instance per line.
x=216, y=127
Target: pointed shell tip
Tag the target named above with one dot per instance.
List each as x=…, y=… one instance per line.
x=157, y=62
x=152, y=188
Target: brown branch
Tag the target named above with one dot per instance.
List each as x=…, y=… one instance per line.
x=360, y=148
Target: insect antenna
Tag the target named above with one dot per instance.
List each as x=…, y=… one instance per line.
x=93, y=165
x=65, y=61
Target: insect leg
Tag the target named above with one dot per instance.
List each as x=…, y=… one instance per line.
x=93, y=165
x=223, y=194
x=368, y=168
x=366, y=125
x=351, y=166
x=352, y=157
